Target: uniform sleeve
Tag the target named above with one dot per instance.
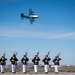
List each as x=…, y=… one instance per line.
x=38, y=59
x=43, y=60
x=27, y=59
x=54, y=60
x=16, y=59
x=5, y=59
x=49, y=59
x=10, y=58
x=32, y=60
x=0, y=59
x=59, y=58
x=22, y=60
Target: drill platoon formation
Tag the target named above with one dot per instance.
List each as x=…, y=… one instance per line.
x=25, y=60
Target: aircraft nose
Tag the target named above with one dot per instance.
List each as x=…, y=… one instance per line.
x=38, y=16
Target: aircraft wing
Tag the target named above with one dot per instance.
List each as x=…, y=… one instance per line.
x=31, y=12
x=31, y=20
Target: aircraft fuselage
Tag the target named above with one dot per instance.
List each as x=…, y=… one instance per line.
x=32, y=16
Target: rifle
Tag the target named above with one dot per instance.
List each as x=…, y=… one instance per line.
x=38, y=53
x=58, y=54
x=48, y=53
x=15, y=53
x=4, y=54
x=26, y=53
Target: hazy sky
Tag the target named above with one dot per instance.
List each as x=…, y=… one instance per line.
x=53, y=31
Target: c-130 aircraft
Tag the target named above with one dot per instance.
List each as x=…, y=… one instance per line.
x=31, y=16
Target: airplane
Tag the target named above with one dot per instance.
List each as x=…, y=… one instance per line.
x=31, y=16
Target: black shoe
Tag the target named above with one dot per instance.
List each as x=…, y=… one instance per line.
x=46, y=72
x=35, y=72
x=56, y=72
x=13, y=72
x=2, y=72
x=24, y=72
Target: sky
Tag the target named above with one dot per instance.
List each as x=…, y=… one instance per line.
x=53, y=31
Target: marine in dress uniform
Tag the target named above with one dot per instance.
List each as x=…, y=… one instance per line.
x=13, y=60
x=24, y=61
x=56, y=63
x=36, y=60
x=46, y=63
x=3, y=63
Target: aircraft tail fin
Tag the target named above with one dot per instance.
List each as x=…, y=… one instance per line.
x=22, y=15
